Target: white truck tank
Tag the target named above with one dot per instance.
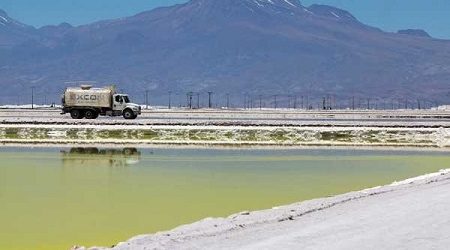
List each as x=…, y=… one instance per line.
x=86, y=96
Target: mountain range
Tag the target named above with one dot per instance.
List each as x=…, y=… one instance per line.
x=235, y=47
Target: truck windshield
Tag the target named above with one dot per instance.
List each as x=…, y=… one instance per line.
x=126, y=99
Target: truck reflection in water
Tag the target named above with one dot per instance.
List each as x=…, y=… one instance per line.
x=95, y=157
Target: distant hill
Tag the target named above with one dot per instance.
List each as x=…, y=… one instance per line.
x=241, y=47
x=415, y=32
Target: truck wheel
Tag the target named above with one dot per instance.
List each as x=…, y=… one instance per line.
x=90, y=114
x=76, y=114
x=128, y=114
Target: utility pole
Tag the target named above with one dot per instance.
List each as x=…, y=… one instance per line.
x=245, y=101
x=332, y=102
x=307, y=102
x=187, y=99
x=228, y=101
x=209, y=99
x=189, y=96
x=198, y=100
x=32, y=97
x=328, y=104
x=260, y=102
x=353, y=102
x=276, y=103
x=146, y=99
x=170, y=99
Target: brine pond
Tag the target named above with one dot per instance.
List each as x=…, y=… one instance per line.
x=55, y=198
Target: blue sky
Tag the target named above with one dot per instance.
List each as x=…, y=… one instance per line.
x=391, y=15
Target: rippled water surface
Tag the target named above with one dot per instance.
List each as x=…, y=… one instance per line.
x=56, y=198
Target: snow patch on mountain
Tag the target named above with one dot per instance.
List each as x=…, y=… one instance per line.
x=3, y=17
x=331, y=12
x=278, y=3
x=334, y=14
x=3, y=20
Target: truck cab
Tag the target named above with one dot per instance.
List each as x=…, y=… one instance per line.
x=122, y=105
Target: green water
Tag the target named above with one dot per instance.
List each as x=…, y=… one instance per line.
x=50, y=199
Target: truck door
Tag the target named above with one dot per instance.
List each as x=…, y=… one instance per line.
x=118, y=103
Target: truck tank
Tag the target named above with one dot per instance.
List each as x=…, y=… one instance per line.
x=86, y=96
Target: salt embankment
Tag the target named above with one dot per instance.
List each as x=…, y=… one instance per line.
x=409, y=214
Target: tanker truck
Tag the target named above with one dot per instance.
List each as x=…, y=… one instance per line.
x=88, y=102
